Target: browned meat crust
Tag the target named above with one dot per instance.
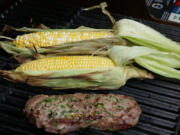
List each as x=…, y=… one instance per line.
x=67, y=113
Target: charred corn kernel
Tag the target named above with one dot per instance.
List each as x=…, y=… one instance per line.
x=67, y=63
x=44, y=39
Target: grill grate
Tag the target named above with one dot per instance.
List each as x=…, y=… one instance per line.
x=158, y=98
x=40, y=11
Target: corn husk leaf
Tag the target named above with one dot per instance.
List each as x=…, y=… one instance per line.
x=141, y=34
x=124, y=55
x=162, y=63
x=10, y=28
x=158, y=67
x=112, y=78
x=167, y=59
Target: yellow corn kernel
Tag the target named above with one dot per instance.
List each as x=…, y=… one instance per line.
x=67, y=63
x=44, y=39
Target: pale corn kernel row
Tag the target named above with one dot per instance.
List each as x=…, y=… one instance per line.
x=67, y=63
x=44, y=39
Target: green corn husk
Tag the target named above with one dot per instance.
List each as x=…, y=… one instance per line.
x=162, y=63
x=109, y=79
x=87, y=47
x=158, y=68
x=141, y=34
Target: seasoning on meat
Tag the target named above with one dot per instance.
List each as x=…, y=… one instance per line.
x=67, y=113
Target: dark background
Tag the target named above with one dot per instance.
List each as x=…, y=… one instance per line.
x=135, y=8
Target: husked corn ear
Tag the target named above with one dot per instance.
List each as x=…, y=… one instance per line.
x=44, y=39
x=67, y=63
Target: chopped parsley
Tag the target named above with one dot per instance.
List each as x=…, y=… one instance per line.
x=48, y=100
x=63, y=112
x=62, y=106
x=120, y=107
x=89, y=121
x=74, y=111
x=99, y=105
x=97, y=112
x=56, y=123
x=120, y=100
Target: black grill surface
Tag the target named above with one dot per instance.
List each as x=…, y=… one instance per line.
x=158, y=98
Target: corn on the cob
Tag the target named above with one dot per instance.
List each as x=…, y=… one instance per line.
x=109, y=78
x=44, y=39
x=67, y=72
x=67, y=63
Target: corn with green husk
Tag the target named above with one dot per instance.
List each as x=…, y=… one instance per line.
x=67, y=72
x=55, y=42
x=86, y=47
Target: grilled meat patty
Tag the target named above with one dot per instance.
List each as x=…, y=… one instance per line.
x=67, y=113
